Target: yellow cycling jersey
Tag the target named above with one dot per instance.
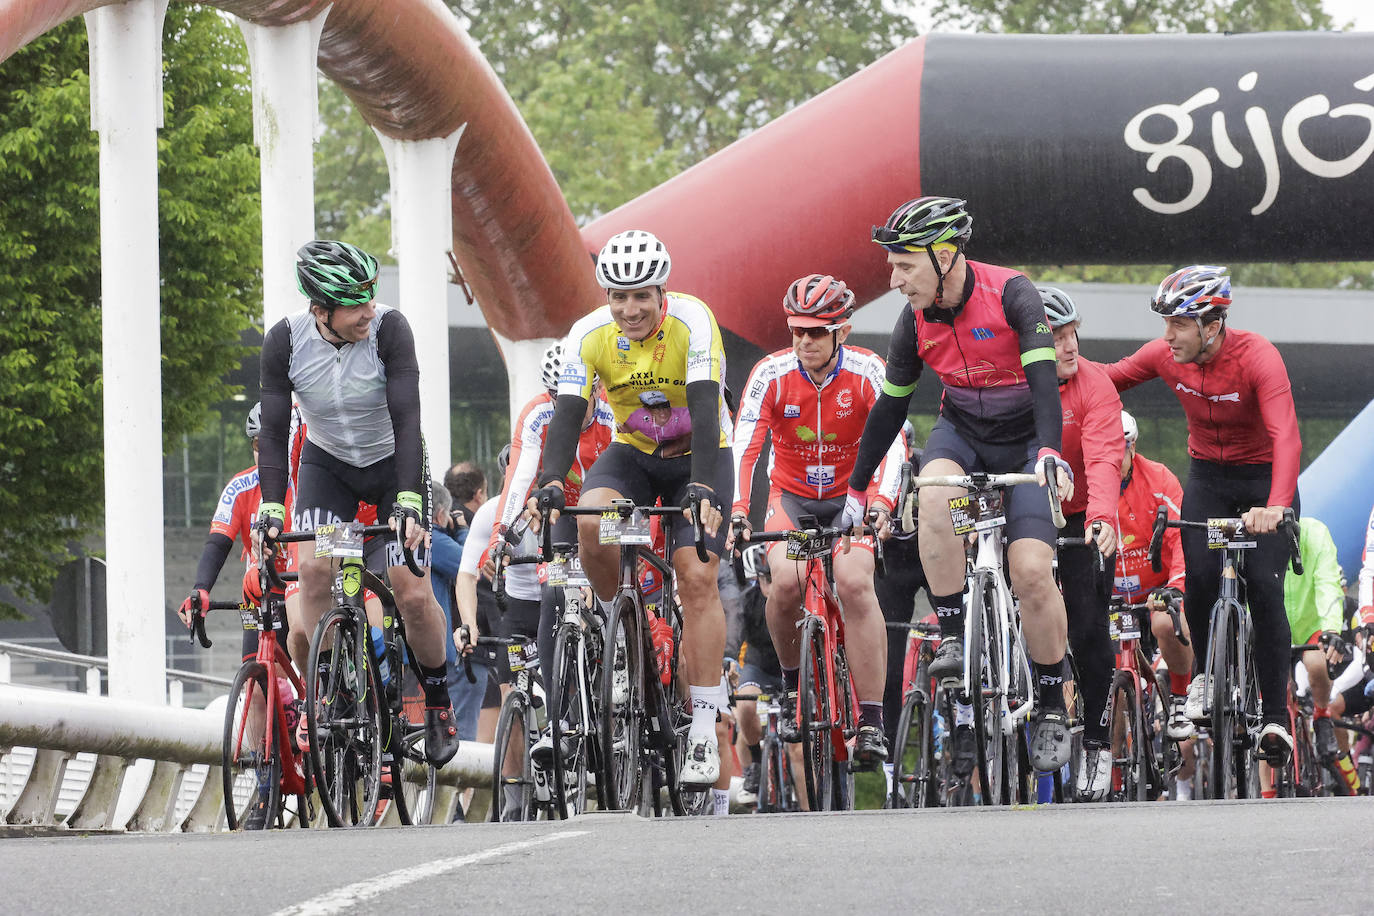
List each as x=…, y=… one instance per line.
x=646, y=380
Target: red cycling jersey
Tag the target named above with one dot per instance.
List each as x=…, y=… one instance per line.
x=815, y=428
x=527, y=451
x=238, y=508
x=1093, y=443
x=1222, y=397
x=1151, y=485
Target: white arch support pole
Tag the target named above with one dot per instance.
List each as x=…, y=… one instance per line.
x=524, y=362
x=285, y=99
x=126, y=110
x=421, y=230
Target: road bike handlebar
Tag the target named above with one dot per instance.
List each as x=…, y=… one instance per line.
x=828, y=534
x=981, y=480
x=1099, y=563
x=1234, y=527
x=295, y=537
x=698, y=529
x=1175, y=616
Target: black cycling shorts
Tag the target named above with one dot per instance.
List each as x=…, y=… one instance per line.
x=646, y=478
x=1027, y=507
x=328, y=491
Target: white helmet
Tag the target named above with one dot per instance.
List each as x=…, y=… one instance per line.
x=1129, y=427
x=755, y=558
x=631, y=260
x=553, y=367
x=253, y=425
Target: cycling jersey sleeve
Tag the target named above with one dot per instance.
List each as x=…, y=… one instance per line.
x=526, y=447
x=883, y=489
x=703, y=406
x=1319, y=561
x=1025, y=313
x=1104, y=445
x=275, y=396
x=1275, y=395
x=561, y=443
x=1140, y=366
x=1171, y=552
x=217, y=547
x=751, y=430
x=396, y=348
x=899, y=381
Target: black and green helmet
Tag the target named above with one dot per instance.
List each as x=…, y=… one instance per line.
x=334, y=274
x=923, y=222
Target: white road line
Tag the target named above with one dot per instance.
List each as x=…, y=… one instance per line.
x=344, y=898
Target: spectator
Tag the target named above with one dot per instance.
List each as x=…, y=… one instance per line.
x=445, y=555
x=468, y=486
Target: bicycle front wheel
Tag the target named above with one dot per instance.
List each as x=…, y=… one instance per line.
x=570, y=724
x=251, y=766
x=913, y=754
x=622, y=704
x=344, y=719
x=986, y=690
x=1128, y=743
x=816, y=705
x=512, y=771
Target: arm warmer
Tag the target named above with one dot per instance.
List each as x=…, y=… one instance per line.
x=212, y=558
x=564, y=431
x=703, y=406
x=396, y=348
x=276, y=412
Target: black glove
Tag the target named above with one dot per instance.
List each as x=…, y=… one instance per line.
x=696, y=492
x=1170, y=596
x=550, y=497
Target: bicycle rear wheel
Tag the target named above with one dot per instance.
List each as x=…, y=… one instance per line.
x=771, y=775
x=344, y=718
x=1128, y=741
x=415, y=801
x=913, y=753
x=622, y=704
x=816, y=708
x=251, y=773
x=512, y=771
x=571, y=729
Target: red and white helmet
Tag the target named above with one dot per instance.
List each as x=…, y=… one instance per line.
x=817, y=300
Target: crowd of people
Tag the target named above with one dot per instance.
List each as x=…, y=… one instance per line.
x=634, y=406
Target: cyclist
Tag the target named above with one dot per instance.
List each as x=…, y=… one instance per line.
x=351, y=364
x=1365, y=583
x=1226, y=379
x=1093, y=444
x=1315, y=605
x=642, y=343
x=822, y=383
x=1145, y=486
x=991, y=347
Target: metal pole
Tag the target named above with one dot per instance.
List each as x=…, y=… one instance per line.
x=126, y=110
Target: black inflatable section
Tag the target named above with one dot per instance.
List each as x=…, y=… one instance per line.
x=1162, y=149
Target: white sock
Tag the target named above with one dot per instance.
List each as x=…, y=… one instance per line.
x=963, y=714
x=720, y=800
x=1183, y=789
x=704, y=713
x=887, y=775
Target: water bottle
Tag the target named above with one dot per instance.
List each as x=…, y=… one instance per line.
x=940, y=730
x=379, y=656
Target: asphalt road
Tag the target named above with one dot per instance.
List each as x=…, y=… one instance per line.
x=1303, y=856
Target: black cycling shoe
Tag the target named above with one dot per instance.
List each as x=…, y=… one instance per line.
x=787, y=718
x=1325, y=739
x=750, y=787
x=870, y=748
x=441, y=735
x=947, y=667
x=1051, y=743
x=965, y=751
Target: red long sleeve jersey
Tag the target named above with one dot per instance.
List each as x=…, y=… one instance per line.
x=816, y=428
x=1239, y=404
x=1093, y=442
x=1151, y=485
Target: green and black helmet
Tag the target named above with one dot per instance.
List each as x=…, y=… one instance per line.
x=333, y=274
x=923, y=222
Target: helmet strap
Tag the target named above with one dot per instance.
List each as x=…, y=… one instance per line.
x=1212, y=339
x=329, y=324
x=939, y=275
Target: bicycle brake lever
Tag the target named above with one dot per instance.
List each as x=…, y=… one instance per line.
x=198, y=630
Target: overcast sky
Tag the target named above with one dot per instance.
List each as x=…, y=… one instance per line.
x=1343, y=11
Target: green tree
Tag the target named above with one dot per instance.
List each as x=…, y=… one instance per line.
x=51, y=477
x=352, y=186
x=1096, y=17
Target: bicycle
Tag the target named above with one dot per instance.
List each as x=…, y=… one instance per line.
x=643, y=721
x=1231, y=702
x=777, y=792
x=1131, y=703
x=921, y=772
x=355, y=718
x=259, y=727
x=1301, y=775
x=997, y=679
x=827, y=704
x=521, y=790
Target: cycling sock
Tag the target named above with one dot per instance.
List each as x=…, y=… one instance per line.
x=720, y=802
x=1183, y=789
x=887, y=775
x=434, y=682
x=1269, y=793
x=949, y=609
x=791, y=677
x=756, y=752
x=871, y=714
x=704, y=713
x=963, y=714
x=1178, y=683
x=1321, y=712
x=1050, y=681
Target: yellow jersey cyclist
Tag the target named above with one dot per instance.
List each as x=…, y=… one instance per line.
x=983, y=330
x=350, y=363
x=661, y=361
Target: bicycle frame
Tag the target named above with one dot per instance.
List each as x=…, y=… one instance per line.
x=1007, y=641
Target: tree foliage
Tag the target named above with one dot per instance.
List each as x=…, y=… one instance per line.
x=1098, y=17
x=51, y=474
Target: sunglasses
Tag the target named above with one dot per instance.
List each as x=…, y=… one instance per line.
x=816, y=333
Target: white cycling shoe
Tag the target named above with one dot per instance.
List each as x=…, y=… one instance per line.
x=1180, y=726
x=701, y=768
x=1197, y=699
x=1092, y=773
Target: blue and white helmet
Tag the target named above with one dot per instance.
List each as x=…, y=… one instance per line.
x=1194, y=292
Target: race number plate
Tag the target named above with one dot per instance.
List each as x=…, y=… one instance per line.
x=342, y=540
x=803, y=545
x=566, y=572
x=1220, y=536
x=522, y=657
x=977, y=512
x=1123, y=624
x=249, y=615
x=618, y=530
